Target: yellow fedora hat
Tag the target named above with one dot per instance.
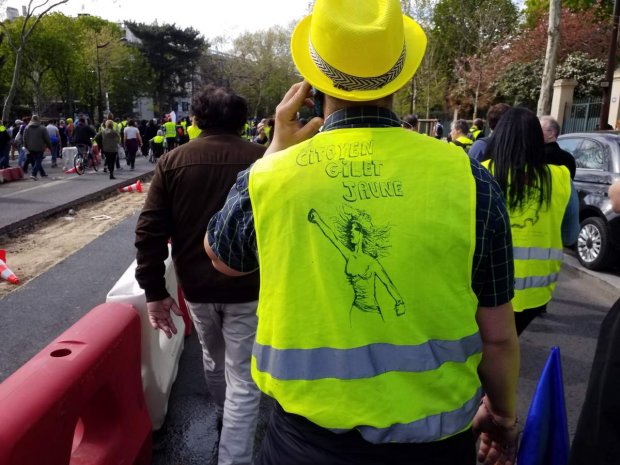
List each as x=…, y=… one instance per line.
x=357, y=50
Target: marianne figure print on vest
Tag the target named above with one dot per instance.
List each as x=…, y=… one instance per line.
x=361, y=244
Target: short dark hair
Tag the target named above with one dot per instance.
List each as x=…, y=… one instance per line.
x=479, y=123
x=411, y=120
x=461, y=126
x=495, y=113
x=219, y=107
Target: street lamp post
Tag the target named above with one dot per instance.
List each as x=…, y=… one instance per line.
x=99, y=95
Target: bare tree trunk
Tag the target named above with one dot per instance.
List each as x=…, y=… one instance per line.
x=37, y=81
x=551, y=57
x=414, y=94
x=258, y=101
x=37, y=98
x=428, y=99
x=8, y=102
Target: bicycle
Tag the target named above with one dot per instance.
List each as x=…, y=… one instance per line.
x=84, y=159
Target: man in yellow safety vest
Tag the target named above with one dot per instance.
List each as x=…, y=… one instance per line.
x=385, y=329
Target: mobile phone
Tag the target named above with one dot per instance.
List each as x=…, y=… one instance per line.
x=317, y=98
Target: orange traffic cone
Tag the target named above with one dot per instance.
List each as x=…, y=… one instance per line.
x=71, y=171
x=7, y=274
x=137, y=187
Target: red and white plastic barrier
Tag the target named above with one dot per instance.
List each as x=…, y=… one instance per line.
x=68, y=154
x=160, y=355
x=11, y=174
x=80, y=401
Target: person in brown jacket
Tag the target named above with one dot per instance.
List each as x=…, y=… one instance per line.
x=190, y=184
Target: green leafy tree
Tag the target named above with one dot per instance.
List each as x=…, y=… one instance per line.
x=466, y=32
x=48, y=47
x=70, y=62
x=426, y=91
x=587, y=71
x=516, y=74
x=116, y=72
x=35, y=10
x=519, y=85
x=172, y=54
x=262, y=69
x=535, y=10
x=2, y=57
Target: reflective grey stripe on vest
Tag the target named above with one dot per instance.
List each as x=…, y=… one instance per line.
x=362, y=362
x=535, y=281
x=537, y=253
x=431, y=428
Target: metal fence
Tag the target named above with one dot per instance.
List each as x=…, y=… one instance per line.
x=581, y=115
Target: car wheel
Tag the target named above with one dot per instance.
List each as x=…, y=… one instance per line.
x=594, y=248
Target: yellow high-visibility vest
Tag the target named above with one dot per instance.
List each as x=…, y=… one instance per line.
x=170, y=129
x=193, y=131
x=537, y=242
x=366, y=312
x=464, y=142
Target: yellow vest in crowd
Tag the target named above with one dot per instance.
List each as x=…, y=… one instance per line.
x=170, y=129
x=193, y=131
x=537, y=242
x=366, y=312
x=464, y=142
x=158, y=139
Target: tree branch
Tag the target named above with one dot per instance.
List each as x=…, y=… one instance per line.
x=40, y=15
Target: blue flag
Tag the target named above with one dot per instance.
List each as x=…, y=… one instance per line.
x=545, y=437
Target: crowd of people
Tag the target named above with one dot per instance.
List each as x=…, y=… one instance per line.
x=23, y=140
x=150, y=138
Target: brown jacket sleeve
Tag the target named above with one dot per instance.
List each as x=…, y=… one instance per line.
x=153, y=230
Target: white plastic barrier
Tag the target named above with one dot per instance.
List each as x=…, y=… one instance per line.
x=68, y=153
x=160, y=355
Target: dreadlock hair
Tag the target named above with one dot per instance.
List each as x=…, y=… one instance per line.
x=517, y=156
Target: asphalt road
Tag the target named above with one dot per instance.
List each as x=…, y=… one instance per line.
x=37, y=312
x=25, y=201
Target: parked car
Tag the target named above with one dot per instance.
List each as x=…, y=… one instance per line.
x=597, y=156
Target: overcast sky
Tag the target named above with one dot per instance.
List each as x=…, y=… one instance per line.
x=212, y=18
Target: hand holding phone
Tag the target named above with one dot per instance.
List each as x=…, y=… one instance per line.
x=317, y=99
x=288, y=130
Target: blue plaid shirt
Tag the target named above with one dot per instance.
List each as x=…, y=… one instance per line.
x=232, y=237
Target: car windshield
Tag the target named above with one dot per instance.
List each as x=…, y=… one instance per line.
x=570, y=144
x=592, y=155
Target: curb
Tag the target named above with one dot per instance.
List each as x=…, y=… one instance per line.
x=609, y=280
x=10, y=228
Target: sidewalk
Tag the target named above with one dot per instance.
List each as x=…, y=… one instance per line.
x=610, y=279
x=25, y=201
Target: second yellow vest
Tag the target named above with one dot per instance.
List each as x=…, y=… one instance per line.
x=537, y=242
